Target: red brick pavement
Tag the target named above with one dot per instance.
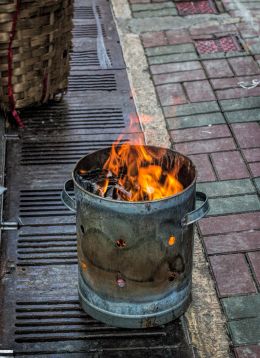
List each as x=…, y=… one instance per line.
x=222, y=152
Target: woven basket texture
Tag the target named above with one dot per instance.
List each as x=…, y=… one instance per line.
x=40, y=50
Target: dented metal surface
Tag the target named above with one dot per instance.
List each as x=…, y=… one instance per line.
x=130, y=273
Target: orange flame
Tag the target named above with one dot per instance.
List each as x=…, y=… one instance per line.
x=141, y=172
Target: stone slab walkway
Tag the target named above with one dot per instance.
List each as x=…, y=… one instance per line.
x=195, y=70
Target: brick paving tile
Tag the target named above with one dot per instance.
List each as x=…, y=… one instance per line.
x=238, y=307
x=139, y=1
x=230, y=223
x=252, y=351
x=232, y=274
x=199, y=91
x=184, y=135
x=229, y=165
x=197, y=7
x=228, y=83
x=252, y=155
x=198, y=120
x=238, y=104
x=191, y=109
x=236, y=93
x=255, y=169
x=170, y=49
x=178, y=37
x=246, y=115
x=257, y=183
x=233, y=242
x=218, y=68
x=245, y=331
x=254, y=258
x=152, y=39
x=206, y=146
x=174, y=57
x=171, y=94
x=175, y=67
x=233, y=204
x=247, y=134
x=179, y=77
x=214, y=29
x=244, y=66
x=227, y=188
x=204, y=167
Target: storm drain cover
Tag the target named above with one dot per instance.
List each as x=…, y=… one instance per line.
x=196, y=7
x=223, y=44
x=40, y=314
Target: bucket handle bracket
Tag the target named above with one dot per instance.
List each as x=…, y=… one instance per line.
x=198, y=213
x=65, y=196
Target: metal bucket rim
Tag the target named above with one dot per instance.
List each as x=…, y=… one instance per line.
x=136, y=202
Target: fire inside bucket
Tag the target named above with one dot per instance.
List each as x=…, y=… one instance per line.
x=135, y=173
x=134, y=249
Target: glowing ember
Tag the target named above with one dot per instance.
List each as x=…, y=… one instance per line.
x=171, y=240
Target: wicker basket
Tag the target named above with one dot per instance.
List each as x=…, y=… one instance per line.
x=35, y=41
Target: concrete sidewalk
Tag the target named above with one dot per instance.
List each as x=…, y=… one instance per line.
x=184, y=71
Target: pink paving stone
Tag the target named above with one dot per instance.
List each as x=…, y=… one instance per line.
x=204, y=167
x=232, y=275
x=226, y=83
x=176, y=37
x=247, y=134
x=153, y=39
x=179, y=77
x=254, y=258
x=244, y=66
x=255, y=169
x=206, y=146
x=229, y=223
x=223, y=44
x=247, y=351
x=252, y=155
x=199, y=91
x=171, y=94
x=229, y=44
x=237, y=93
x=207, y=46
x=229, y=165
x=217, y=131
x=233, y=242
x=218, y=68
x=196, y=7
x=175, y=67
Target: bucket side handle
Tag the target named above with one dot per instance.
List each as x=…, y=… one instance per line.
x=66, y=198
x=198, y=213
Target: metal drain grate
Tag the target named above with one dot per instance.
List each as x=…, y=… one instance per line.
x=57, y=323
x=104, y=82
x=60, y=152
x=223, y=44
x=196, y=7
x=43, y=203
x=40, y=315
x=41, y=249
x=86, y=58
x=85, y=13
x=72, y=117
x=88, y=30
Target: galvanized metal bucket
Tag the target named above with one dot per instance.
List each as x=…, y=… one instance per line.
x=135, y=258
